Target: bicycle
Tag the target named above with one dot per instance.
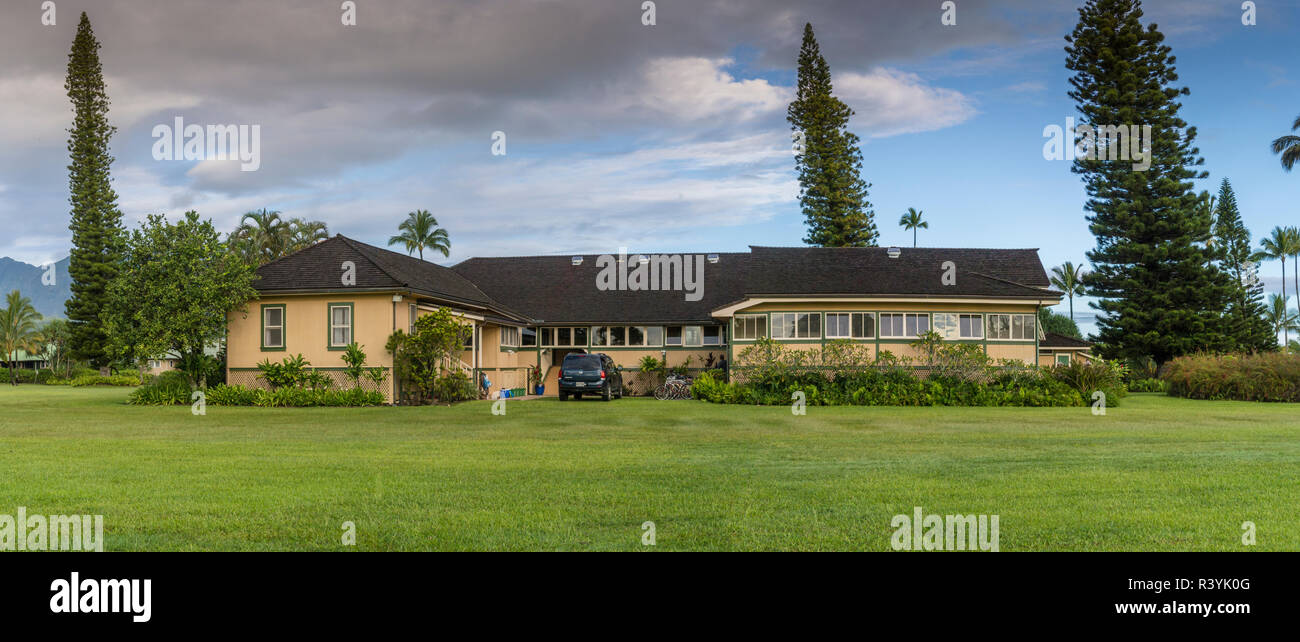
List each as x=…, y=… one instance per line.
x=675, y=388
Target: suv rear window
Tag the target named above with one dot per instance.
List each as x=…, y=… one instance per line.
x=582, y=362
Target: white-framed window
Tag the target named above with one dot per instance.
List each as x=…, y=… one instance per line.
x=714, y=335
x=1063, y=359
x=510, y=336
x=412, y=313
x=1012, y=327
x=674, y=335
x=340, y=325
x=749, y=327
x=796, y=325
x=654, y=335
x=273, y=326
x=692, y=335
x=950, y=325
x=528, y=337
x=850, y=325
x=904, y=325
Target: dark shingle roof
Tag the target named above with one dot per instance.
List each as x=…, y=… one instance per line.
x=869, y=271
x=320, y=267
x=553, y=290
x=1054, y=340
x=550, y=289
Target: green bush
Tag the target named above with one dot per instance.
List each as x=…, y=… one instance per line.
x=225, y=395
x=453, y=387
x=167, y=389
x=1087, y=377
x=1147, y=385
x=890, y=387
x=99, y=380
x=1268, y=376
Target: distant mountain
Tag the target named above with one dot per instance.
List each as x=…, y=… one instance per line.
x=26, y=278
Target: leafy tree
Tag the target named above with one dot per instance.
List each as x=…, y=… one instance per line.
x=832, y=193
x=1278, y=246
x=912, y=221
x=1161, y=292
x=1051, y=321
x=1248, y=329
x=1279, y=317
x=420, y=230
x=264, y=236
x=54, y=346
x=1068, y=278
x=18, y=329
x=421, y=358
x=96, y=222
x=1288, y=146
x=178, y=284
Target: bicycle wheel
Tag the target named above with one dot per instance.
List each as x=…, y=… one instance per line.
x=661, y=393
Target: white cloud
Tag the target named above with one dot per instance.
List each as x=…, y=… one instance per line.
x=889, y=102
x=694, y=89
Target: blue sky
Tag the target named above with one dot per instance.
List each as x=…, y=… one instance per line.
x=664, y=137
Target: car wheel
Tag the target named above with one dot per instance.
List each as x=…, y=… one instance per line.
x=606, y=394
x=564, y=396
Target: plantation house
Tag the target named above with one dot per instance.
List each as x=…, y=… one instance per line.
x=530, y=311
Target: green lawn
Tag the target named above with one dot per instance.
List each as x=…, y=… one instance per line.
x=1154, y=474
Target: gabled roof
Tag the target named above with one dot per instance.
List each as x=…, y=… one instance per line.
x=1054, y=340
x=320, y=267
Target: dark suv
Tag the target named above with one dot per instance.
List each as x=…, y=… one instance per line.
x=590, y=374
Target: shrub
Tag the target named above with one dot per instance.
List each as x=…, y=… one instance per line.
x=290, y=397
x=291, y=372
x=231, y=396
x=169, y=388
x=100, y=380
x=454, y=386
x=1269, y=376
x=1147, y=385
x=1087, y=377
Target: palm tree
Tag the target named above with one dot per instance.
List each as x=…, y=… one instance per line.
x=1279, y=317
x=304, y=234
x=1068, y=278
x=1288, y=146
x=912, y=221
x=1278, y=246
x=1291, y=236
x=18, y=329
x=261, y=237
x=420, y=230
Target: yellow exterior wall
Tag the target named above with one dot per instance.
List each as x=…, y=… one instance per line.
x=306, y=319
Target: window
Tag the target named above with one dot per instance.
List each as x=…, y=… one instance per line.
x=528, y=337
x=1063, y=359
x=340, y=325
x=564, y=337
x=796, y=325
x=1014, y=327
x=904, y=325
x=273, y=327
x=713, y=335
x=599, y=335
x=467, y=336
x=618, y=336
x=850, y=325
x=674, y=335
x=958, y=326
x=750, y=326
x=654, y=335
x=635, y=336
x=509, y=336
x=692, y=335
x=412, y=314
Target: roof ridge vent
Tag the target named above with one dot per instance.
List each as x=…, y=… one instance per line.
x=894, y=251
x=575, y=260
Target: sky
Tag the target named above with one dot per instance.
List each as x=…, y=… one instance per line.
x=668, y=137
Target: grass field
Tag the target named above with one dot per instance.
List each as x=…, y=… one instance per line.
x=1155, y=474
